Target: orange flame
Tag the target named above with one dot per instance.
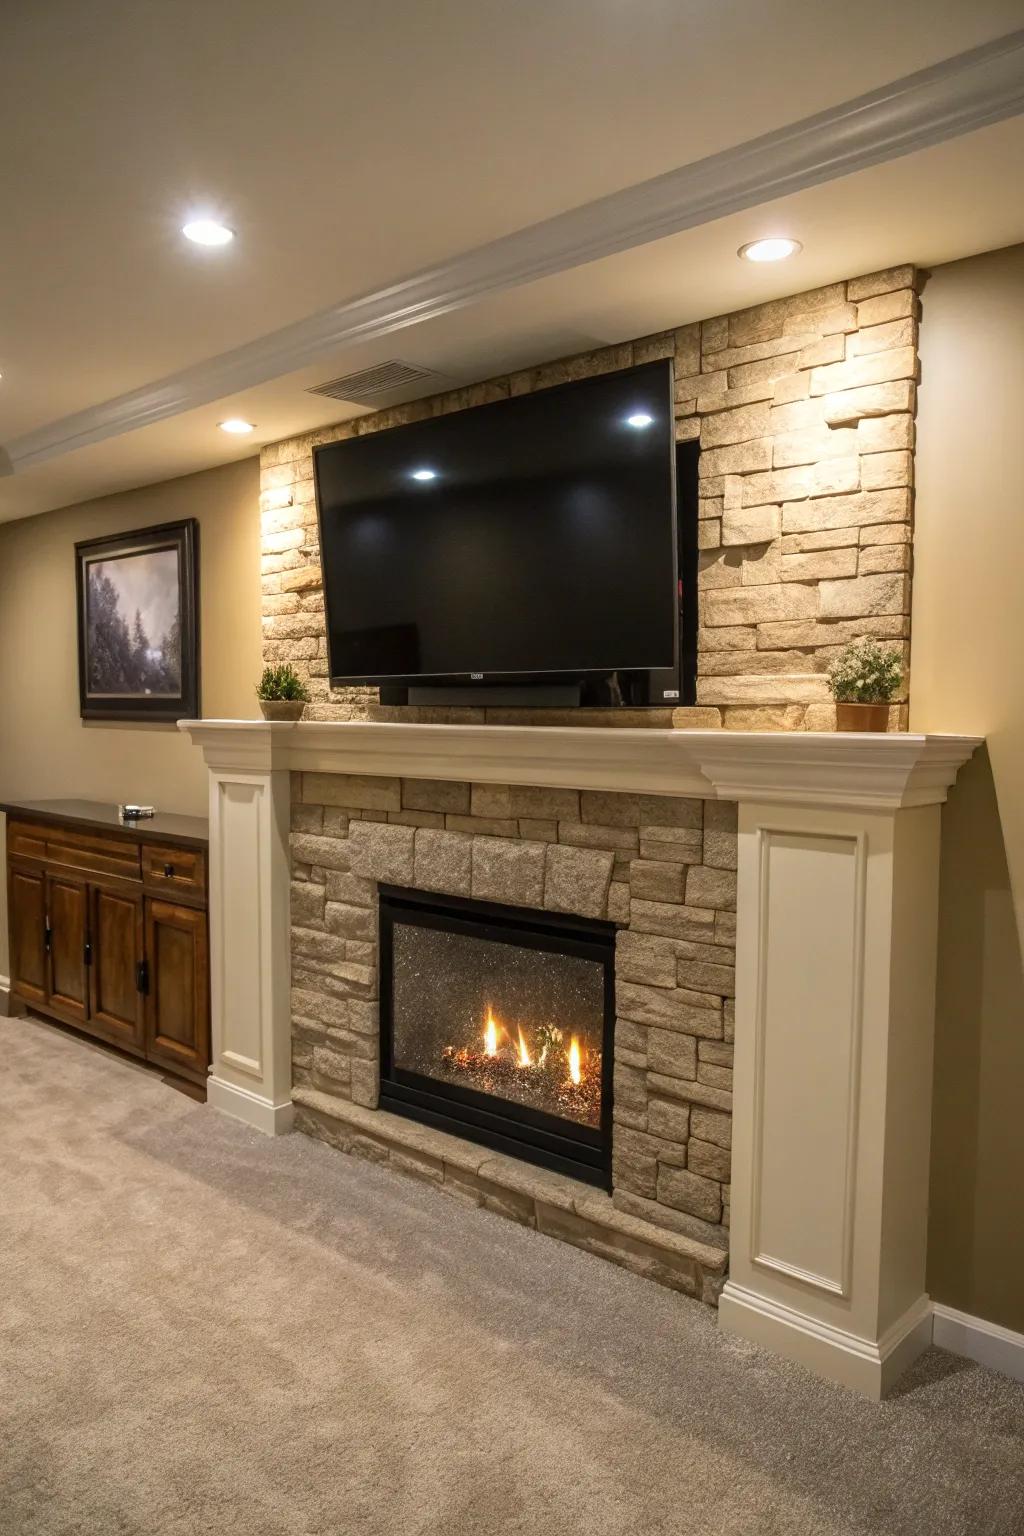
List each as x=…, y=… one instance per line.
x=574, y=1060
x=523, y=1051
x=490, y=1036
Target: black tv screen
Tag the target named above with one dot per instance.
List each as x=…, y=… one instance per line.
x=530, y=539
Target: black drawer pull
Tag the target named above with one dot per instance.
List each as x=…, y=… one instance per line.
x=169, y=871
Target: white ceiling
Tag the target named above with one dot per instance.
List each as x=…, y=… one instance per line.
x=352, y=146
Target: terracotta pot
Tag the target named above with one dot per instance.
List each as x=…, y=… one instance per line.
x=282, y=709
x=862, y=717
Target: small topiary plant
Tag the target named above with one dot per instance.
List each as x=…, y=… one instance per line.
x=282, y=684
x=866, y=673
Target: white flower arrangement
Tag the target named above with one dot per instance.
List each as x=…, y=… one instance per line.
x=866, y=673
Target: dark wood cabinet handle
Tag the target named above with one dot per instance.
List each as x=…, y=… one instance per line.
x=169, y=871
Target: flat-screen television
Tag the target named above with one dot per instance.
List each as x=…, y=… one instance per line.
x=525, y=549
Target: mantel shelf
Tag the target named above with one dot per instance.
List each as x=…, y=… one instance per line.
x=884, y=772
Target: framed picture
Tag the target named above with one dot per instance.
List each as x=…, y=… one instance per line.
x=138, y=624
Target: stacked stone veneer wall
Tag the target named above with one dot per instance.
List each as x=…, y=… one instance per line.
x=661, y=868
x=804, y=409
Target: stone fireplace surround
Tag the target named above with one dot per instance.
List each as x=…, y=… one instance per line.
x=661, y=867
x=803, y=408
x=837, y=843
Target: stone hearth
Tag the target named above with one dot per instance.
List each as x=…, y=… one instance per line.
x=551, y=1204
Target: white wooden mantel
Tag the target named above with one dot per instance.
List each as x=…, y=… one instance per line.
x=835, y=983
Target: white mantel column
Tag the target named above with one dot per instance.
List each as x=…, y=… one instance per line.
x=835, y=1003
x=250, y=1074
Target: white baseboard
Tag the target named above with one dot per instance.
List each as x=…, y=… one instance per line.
x=998, y=1348
x=5, y=996
x=865, y=1365
x=243, y=1104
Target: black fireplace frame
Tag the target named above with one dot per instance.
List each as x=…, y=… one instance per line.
x=581, y=1151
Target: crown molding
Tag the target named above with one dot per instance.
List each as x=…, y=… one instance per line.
x=957, y=96
x=852, y=771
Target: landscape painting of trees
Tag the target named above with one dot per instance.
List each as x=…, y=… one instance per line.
x=134, y=625
x=137, y=624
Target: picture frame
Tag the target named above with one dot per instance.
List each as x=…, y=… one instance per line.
x=138, y=624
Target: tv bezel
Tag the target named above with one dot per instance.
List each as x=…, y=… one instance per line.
x=634, y=687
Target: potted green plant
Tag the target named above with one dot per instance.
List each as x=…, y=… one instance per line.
x=863, y=680
x=282, y=693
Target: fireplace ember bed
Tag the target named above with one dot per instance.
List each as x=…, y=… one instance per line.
x=497, y=1024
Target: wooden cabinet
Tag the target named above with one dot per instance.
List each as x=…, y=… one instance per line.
x=67, y=947
x=177, y=998
x=117, y=957
x=108, y=928
x=26, y=899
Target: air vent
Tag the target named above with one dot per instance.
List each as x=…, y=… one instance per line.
x=376, y=385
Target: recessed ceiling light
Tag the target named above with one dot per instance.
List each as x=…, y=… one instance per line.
x=424, y=474
x=235, y=424
x=207, y=232
x=639, y=419
x=773, y=248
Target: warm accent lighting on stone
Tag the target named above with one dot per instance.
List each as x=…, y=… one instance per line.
x=804, y=411
x=276, y=498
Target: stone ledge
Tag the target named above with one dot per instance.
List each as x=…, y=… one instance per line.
x=560, y=1207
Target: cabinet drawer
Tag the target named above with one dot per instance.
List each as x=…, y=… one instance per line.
x=178, y=871
x=24, y=841
x=92, y=853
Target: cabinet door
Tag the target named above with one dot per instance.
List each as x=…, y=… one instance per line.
x=116, y=934
x=68, y=973
x=177, y=1005
x=26, y=896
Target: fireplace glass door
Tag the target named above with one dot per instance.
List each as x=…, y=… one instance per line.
x=496, y=1024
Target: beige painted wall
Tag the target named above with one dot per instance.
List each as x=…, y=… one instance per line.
x=45, y=749
x=968, y=645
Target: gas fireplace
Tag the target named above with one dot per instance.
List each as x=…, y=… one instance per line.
x=496, y=1024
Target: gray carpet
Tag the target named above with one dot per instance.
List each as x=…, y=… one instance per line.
x=207, y=1331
